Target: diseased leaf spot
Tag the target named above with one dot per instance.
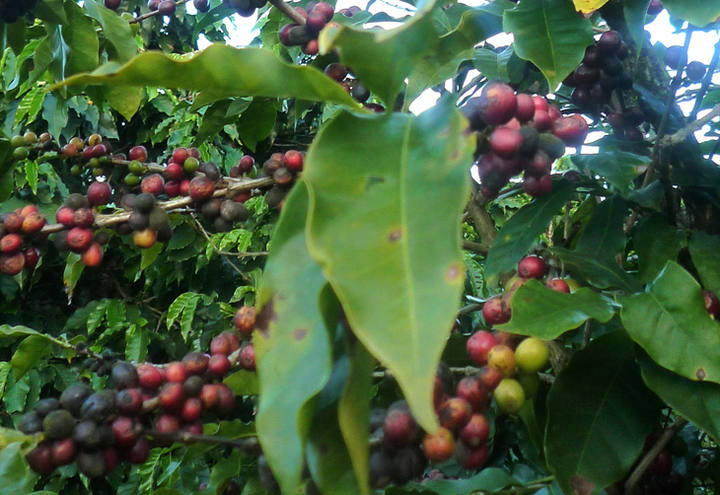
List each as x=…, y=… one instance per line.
x=700, y=374
x=581, y=486
x=453, y=272
x=266, y=315
x=299, y=333
x=395, y=235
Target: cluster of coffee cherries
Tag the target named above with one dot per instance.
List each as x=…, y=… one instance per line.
x=78, y=217
x=600, y=73
x=316, y=16
x=519, y=133
x=24, y=145
x=12, y=10
x=675, y=57
x=357, y=90
x=284, y=169
x=163, y=7
x=20, y=233
x=147, y=405
x=93, y=154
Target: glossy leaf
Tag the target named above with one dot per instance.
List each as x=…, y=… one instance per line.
x=704, y=249
x=382, y=60
x=656, y=242
x=697, y=401
x=602, y=274
x=81, y=39
x=378, y=187
x=598, y=405
x=125, y=99
x=635, y=17
x=521, y=231
x=15, y=474
x=620, y=168
x=231, y=71
x=354, y=411
x=669, y=321
x=697, y=13
x=544, y=313
x=550, y=34
x=603, y=237
x=116, y=29
x=293, y=350
x=489, y=480
x=29, y=353
x=475, y=25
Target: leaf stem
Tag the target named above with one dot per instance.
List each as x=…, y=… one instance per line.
x=154, y=13
x=289, y=11
x=649, y=457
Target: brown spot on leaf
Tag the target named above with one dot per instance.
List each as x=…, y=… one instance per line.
x=700, y=374
x=266, y=315
x=299, y=333
x=581, y=486
x=453, y=272
x=395, y=235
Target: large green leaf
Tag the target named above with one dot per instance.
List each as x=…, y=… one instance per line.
x=354, y=411
x=475, y=25
x=599, y=412
x=7, y=166
x=292, y=345
x=382, y=60
x=697, y=401
x=30, y=352
x=670, y=322
x=550, y=34
x=115, y=29
x=698, y=13
x=489, y=480
x=635, y=16
x=656, y=242
x=603, y=238
x=704, y=249
x=387, y=194
x=600, y=273
x=81, y=39
x=15, y=474
x=620, y=168
x=522, y=230
x=544, y=313
x=220, y=71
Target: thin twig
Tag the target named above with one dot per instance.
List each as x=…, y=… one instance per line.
x=474, y=246
x=154, y=13
x=649, y=457
x=173, y=204
x=216, y=249
x=706, y=82
x=289, y=11
x=483, y=223
x=682, y=134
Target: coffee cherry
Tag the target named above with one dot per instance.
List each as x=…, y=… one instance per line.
x=525, y=107
x=509, y=396
x=166, y=7
x=246, y=360
x=149, y=377
x=209, y=396
x=33, y=223
x=124, y=375
x=479, y=345
x=475, y=392
x=129, y=402
x=244, y=319
x=476, y=458
x=505, y=142
x=675, y=57
x=138, y=153
x=399, y=427
x=144, y=238
x=171, y=396
x=87, y=435
x=293, y=160
x=58, y=425
x=609, y=42
x=532, y=267
x=476, y=431
x=191, y=165
x=140, y=451
x=502, y=358
x=83, y=217
x=201, y=188
x=40, y=459
x=191, y=410
x=202, y=5
x=380, y=466
x=79, y=239
x=166, y=423
x=226, y=399
x=93, y=255
x=496, y=311
x=558, y=285
x=454, y=413
x=497, y=104
x=712, y=303
x=125, y=430
x=336, y=71
x=695, y=71
x=439, y=447
x=572, y=130
x=153, y=184
x=196, y=363
x=176, y=372
x=245, y=164
x=10, y=243
x=110, y=457
x=219, y=365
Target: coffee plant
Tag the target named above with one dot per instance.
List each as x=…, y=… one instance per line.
x=255, y=270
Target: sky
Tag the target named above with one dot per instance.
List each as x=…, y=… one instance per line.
x=701, y=47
